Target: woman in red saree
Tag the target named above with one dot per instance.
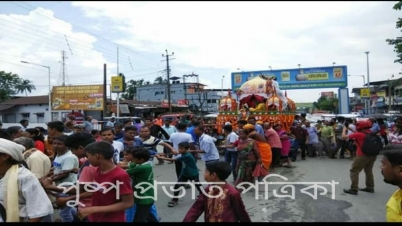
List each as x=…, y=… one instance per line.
x=247, y=158
x=261, y=145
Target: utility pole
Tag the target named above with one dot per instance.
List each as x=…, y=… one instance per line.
x=389, y=96
x=118, y=94
x=104, y=112
x=368, y=83
x=62, y=76
x=168, y=77
x=390, y=83
x=64, y=68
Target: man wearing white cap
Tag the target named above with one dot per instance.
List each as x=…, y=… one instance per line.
x=22, y=198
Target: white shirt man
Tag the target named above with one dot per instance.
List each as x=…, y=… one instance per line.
x=231, y=138
x=118, y=148
x=176, y=139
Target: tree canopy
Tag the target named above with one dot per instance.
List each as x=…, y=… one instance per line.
x=397, y=42
x=131, y=88
x=11, y=84
x=326, y=104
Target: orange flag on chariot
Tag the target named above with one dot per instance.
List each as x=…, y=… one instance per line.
x=265, y=153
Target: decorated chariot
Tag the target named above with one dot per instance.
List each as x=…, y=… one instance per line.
x=259, y=97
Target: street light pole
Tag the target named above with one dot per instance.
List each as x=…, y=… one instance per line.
x=50, y=87
x=223, y=76
x=389, y=95
x=368, y=81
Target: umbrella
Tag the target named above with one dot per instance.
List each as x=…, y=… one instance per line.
x=376, y=116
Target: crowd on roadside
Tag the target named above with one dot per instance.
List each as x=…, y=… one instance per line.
x=126, y=152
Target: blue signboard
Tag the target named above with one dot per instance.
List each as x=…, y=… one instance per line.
x=299, y=78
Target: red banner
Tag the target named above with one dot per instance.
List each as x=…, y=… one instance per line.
x=181, y=102
x=165, y=104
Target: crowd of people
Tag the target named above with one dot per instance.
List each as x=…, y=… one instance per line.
x=54, y=171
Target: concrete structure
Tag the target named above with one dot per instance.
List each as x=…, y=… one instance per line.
x=198, y=98
x=35, y=110
x=385, y=95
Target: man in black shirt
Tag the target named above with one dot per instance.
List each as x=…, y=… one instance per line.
x=156, y=130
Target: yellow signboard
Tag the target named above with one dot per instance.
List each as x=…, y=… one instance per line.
x=365, y=93
x=317, y=76
x=88, y=97
x=312, y=76
x=338, y=73
x=237, y=78
x=285, y=76
x=381, y=94
x=117, y=84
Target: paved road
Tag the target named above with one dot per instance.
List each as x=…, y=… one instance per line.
x=365, y=207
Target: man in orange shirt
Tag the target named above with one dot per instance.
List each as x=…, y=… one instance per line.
x=158, y=121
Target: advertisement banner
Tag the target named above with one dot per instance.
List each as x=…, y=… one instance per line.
x=328, y=94
x=381, y=94
x=181, y=102
x=117, y=84
x=89, y=97
x=165, y=104
x=365, y=93
x=300, y=78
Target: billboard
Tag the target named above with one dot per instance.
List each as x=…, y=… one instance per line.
x=328, y=94
x=89, y=97
x=299, y=78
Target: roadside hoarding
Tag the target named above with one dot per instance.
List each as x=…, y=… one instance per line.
x=299, y=78
x=118, y=84
x=365, y=93
x=87, y=97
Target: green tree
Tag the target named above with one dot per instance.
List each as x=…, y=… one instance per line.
x=131, y=88
x=327, y=104
x=11, y=84
x=397, y=42
x=25, y=87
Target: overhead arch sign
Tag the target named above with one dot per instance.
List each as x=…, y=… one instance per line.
x=299, y=78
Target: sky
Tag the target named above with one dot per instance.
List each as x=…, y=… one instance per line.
x=211, y=39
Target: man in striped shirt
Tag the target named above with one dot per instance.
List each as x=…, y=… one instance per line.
x=150, y=142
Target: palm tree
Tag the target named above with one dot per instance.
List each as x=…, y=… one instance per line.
x=26, y=86
x=160, y=80
x=131, y=90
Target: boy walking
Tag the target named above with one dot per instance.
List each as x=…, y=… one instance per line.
x=141, y=171
x=227, y=207
x=189, y=170
x=109, y=206
x=64, y=162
